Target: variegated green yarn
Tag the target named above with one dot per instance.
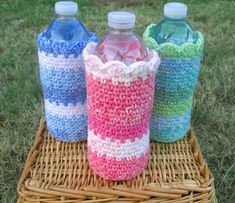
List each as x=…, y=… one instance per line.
x=174, y=51
x=174, y=86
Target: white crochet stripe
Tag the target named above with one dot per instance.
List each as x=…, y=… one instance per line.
x=117, y=71
x=116, y=149
x=68, y=111
x=60, y=62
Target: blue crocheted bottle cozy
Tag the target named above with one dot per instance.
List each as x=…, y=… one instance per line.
x=62, y=76
x=174, y=86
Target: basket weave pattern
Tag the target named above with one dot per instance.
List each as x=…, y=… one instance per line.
x=59, y=172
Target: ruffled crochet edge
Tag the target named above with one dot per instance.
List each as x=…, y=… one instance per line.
x=118, y=71
x=186, y=50
x=63, y=48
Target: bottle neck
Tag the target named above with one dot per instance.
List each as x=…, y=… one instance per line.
x=121, y=31
x=174, y=19
x=66, y=17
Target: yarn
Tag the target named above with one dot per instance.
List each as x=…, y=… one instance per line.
x=174, y=86
x=62, y=76
x=119, y=100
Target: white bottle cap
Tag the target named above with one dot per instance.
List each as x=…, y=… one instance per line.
x=66, y=8
x=175, y=10
x=121, y=19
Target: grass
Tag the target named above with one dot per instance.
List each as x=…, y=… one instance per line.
x=21, y=97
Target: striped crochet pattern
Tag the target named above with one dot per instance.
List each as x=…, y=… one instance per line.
x=119, y=99
x=62, y=76
x=175, y=83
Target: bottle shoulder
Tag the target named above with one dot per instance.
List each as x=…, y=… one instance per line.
x=66, y=30
x=113, y=38
x=166, y=23
x=123, y=46
x=175, y=31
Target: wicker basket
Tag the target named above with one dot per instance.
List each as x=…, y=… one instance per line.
x=59, y=172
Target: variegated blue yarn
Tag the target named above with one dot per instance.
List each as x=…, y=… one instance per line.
x=67, y=128
x=64, y=86
x=63, y=48
x=174, y=86
x=169, y=129
x=62, y=76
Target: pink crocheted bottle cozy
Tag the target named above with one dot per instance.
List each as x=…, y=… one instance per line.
x=119, y=100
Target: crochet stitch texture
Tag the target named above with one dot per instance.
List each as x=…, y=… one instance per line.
x=174, y=86
x=62, y=76
x=119, y=100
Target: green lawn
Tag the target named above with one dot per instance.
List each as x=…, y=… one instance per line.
x=21, y=103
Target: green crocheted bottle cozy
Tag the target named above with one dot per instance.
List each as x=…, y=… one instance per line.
x=174, y=86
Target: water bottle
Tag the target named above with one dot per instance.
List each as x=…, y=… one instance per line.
x=62, y=73
x=120, y=74
x=121, y=43
x=174, y=28
x=66, y=27
x=180, y=50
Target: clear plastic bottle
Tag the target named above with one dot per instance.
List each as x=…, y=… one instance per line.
x=121, y=43
x=66, y=26
x=174, y=28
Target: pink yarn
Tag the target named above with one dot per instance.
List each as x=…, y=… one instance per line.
x=117, y=111
x=123, y=169
x=119, y=101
